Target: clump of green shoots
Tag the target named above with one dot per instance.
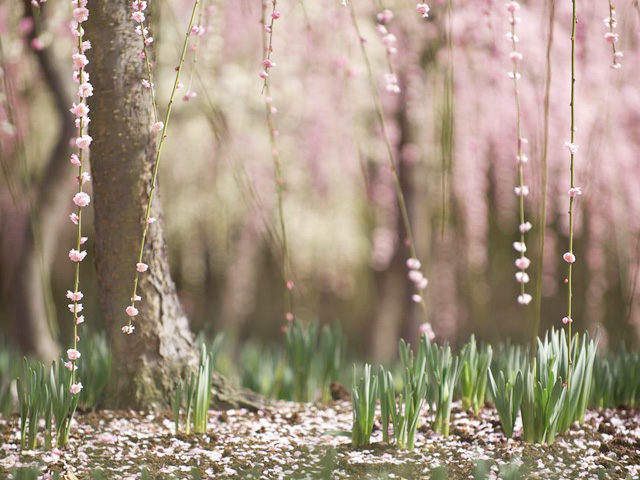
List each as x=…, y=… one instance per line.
x=473, y=377
x=510, y=359
x=332, y=357
x=96, y=368
x=583, y=354
x=265, y=371
x=194, y=394
x=45, y=396
x=63, y=402
x=7, y=374
x=403, y=411
x=32, y=397
x=363, y=399
x=616, y=379
x=301, y=341
x=507, y=396
x=443, y=369
x=543, y=401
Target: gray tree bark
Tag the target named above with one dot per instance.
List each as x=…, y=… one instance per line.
x=148, y=362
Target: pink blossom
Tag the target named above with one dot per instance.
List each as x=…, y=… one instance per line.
x=128, y=329
x=75, y=160
x=427, y=329
x=151, y=220
x=85, y=178
x=522, y=277
x=85, y=90
x=525, y=227
x=70, y=366
x=290, y=285
x=145, y=83
x=415, y=276
x=79, y=319
x=575, y=191
x=276, y=15
x=131, y=311
x=74, y=218
x=268, y=63
x=263, y=74
x=389, y=40
x=79, y=60
x=569, y=257
x=37, y=44
x=413, y=264
x=142, y=267
x=75, y=296
x=572, y=147
x=80, y=110
x=139, y=5
x=522, y=191
x=519, y=247
x=522, y=158
x=422, y=284
x=289, y=317
x=511, y=37
x=136, y=298
x=75, y=307
x=567, y=320
x=515, y=56
x=76, y=76
x=83, y=240
x=513, y=7
x=81, y=199
x=385, y=16
x=416, y=298
x=611, y=37
x=83, y=142
x=158, y=126
x=73, y=354
x=138, y=16
x=524, y=299
x=80, y=14
x=86, y=45
x=423, y=9
x=148, y=41
x=75, y=388
x=76, y=256
x=523, y=263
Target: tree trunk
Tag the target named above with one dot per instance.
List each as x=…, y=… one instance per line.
x=393, y=306
x=147, y=362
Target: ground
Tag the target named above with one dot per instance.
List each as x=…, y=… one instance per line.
x=288, y=440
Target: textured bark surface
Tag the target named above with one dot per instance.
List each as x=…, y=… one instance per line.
x=146, y=363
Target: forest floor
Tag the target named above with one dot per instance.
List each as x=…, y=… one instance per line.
x=287, y=440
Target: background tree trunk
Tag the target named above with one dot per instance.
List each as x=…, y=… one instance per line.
x=146, y=363
x=27, y=283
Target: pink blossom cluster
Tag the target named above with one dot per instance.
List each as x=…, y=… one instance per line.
x=389, y=41
x=139, y=18
x=522, y=263
x=423, y=9
x=611, y=36
x=418, y=279
x=267, y=63
x=81, y=199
